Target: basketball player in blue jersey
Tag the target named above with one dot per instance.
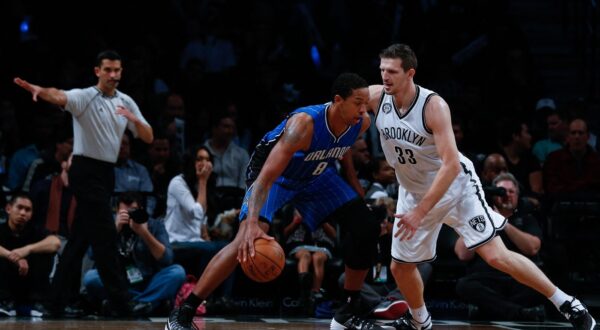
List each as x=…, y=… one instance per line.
x=294, y=163
x=439, y=185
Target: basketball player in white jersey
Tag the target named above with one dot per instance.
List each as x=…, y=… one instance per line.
x=439, y=185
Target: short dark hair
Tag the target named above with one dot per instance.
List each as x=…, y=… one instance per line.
x=18, y=194
x=129, y=197
x=107, y=55
x=403, y=52
x=346, y=83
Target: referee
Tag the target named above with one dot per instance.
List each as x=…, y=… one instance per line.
x=101, y=114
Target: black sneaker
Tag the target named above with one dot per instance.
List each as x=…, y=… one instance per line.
x=351, y=316
x=181, y=318
x=353, y=322
x=7, y=308
x=577, y=314
x=407, y=322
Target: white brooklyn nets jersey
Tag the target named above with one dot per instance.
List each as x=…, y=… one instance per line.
x=408, y=143
x=410, y=148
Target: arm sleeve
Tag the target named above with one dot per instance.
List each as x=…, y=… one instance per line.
x=77, y=100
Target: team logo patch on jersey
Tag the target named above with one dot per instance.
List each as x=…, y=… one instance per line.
x=478, y=223
x=387, y=108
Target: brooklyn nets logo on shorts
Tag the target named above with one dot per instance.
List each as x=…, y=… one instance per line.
x=478, y=223
x=387, y=108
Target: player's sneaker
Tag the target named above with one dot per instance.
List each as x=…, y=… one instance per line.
x=181, y=318
x=390, y=309
x=407, y=322
x=577, y=314
x=353, y=322
x=350, y=316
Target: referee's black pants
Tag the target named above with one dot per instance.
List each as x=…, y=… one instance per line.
x=92, y=182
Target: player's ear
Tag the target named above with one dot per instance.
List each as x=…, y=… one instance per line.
x=411, y=72
x=337, y=98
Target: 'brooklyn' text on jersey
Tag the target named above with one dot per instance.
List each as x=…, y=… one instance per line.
x=401, y=133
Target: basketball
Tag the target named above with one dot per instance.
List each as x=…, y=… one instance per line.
x=267, y=263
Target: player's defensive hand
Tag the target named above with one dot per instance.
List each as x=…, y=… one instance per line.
x=408, y=224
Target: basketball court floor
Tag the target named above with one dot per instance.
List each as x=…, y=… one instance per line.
x=251, y=323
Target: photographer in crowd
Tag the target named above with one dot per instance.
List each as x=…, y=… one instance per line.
x=147, y=255
x=493, y=165
x=494, y=294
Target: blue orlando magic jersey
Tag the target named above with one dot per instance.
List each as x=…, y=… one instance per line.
x=314, y=195
x=324, y=149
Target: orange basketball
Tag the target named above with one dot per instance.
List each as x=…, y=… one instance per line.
x=267, y=263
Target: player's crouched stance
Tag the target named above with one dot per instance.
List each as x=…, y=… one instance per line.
x=361, y=230
x=296, y=163
x=438, y=185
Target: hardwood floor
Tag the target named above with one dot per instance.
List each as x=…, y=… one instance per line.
x=248, y=323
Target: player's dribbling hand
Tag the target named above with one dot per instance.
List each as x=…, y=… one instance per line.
x=252, y=231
